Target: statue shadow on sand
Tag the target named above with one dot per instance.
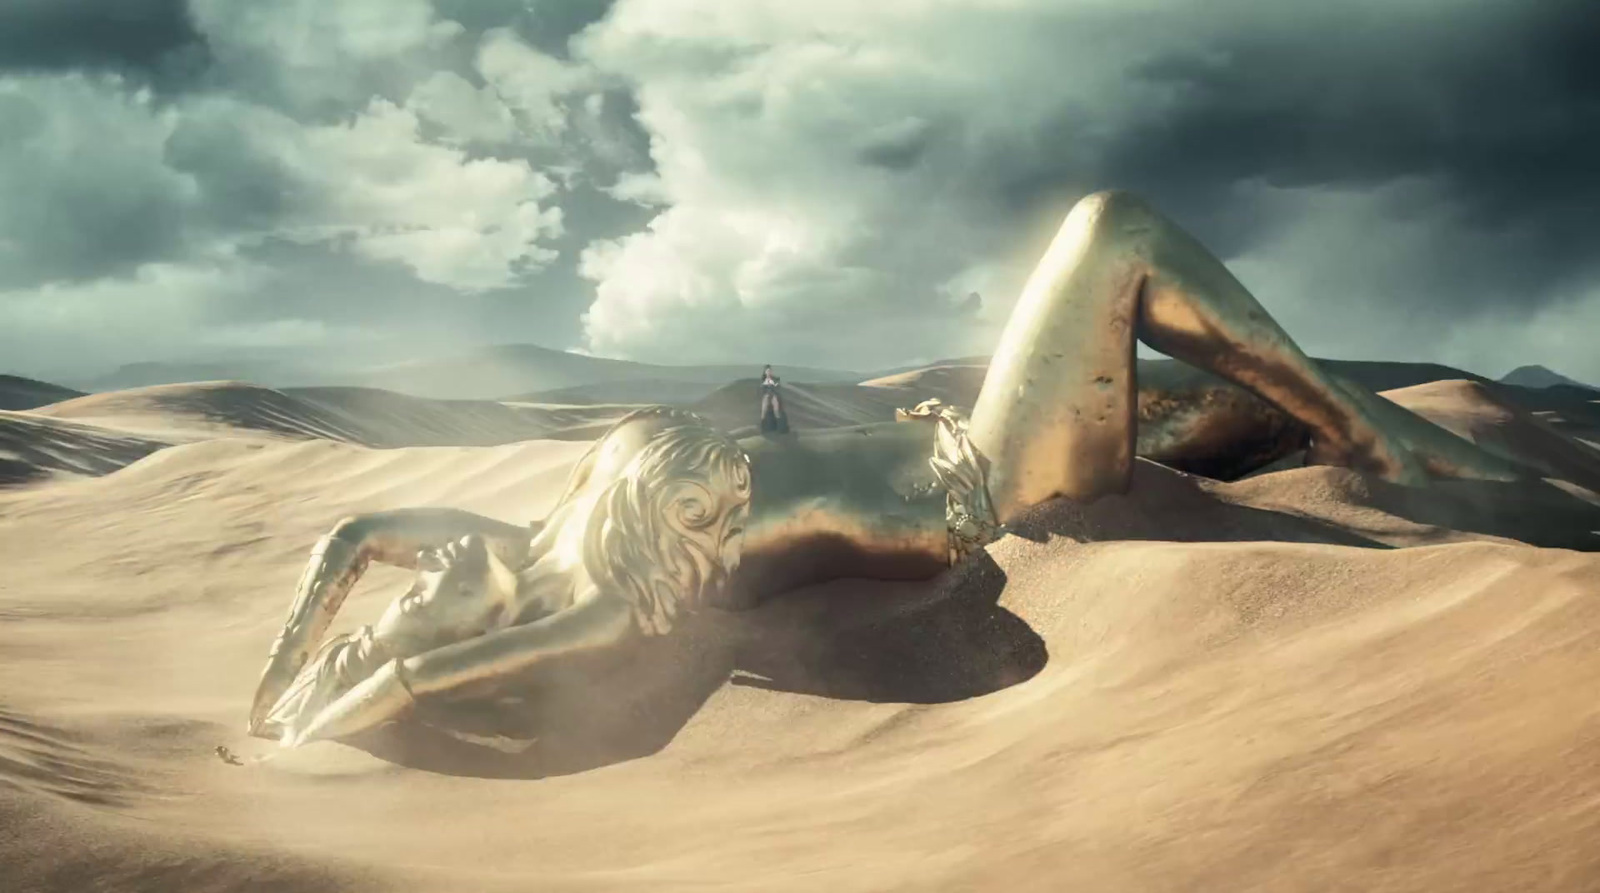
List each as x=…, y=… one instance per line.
x=923, y=642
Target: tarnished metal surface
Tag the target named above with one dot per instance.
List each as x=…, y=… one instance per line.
x=846, y=502
x=1206, y=426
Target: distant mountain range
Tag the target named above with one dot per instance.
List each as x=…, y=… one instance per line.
x=17, y=393
x=97, y=433
x=501, y=372
x=491, y=373
x=531, y=374
x=1541, y=377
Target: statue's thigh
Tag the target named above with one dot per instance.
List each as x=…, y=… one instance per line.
x=1055, y=416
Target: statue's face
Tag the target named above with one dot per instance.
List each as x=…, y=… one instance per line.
x=447, y=602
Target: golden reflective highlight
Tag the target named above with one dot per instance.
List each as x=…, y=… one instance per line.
x=664, y=515
x=1056, y=415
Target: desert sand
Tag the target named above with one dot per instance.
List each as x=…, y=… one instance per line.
x=1302, y=680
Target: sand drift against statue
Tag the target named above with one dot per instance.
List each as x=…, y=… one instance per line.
x=666, y=515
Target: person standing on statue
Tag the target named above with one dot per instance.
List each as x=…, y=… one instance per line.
x=773, y=419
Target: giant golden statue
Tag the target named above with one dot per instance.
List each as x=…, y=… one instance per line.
x=665, y=515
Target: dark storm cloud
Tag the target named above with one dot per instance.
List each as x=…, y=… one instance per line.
x=99, y=180
x=822, y=179
x=243, y=187
x=608, y=132
x=153, y=37
x=85, y=191
x=1427, y=162
x=1497, y=109
x=324, y=283
x=546, y=25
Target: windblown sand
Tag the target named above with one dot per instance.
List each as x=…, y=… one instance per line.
x=1307, y=680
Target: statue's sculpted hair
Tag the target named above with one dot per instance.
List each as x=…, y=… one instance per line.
x=653, y=537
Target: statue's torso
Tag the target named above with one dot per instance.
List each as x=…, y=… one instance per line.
x=846, y=502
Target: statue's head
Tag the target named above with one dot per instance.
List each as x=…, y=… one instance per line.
x=666, y=531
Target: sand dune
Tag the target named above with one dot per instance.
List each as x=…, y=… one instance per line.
x=1120, y=682
x=640, y=392
x=1574, y=412
x=365, y=416
x=521, y=369
x=1483, y=412
x=68, y=794
x=32, y=448
x=1493, y=422
x=530, y=373
x=485, y=373
x=48, y=762
x=202, y=409
x=17, y=393
x=388, y=419
x=956, y=385
x=1303, y=680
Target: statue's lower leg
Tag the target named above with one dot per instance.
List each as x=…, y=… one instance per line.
x=1056, y=416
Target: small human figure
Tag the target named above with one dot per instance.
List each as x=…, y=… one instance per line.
x=773, y=419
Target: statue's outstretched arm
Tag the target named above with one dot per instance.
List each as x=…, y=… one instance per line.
x=389, y=694
x=337, y=562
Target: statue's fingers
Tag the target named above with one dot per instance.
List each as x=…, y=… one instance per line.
x=275, y=680
x=379, y=698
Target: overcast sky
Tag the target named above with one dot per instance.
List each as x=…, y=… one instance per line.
x=827, y=182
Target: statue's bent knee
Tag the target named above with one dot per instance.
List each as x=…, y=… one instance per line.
x=1115, y=218
x=352, y=529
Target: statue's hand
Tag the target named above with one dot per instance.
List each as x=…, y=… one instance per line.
x=382, y=697
x=401, y=537
x=450, y=671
